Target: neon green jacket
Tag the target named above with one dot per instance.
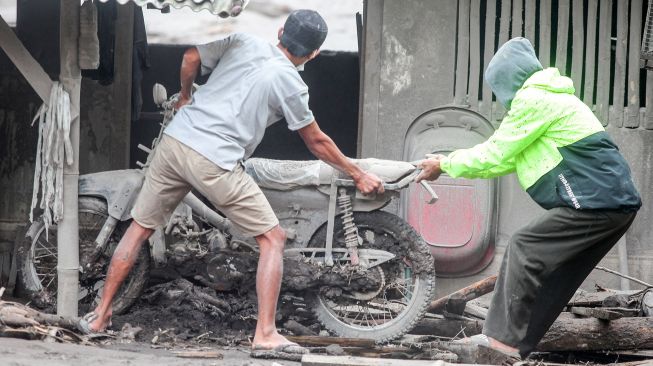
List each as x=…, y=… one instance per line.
x=558, y=148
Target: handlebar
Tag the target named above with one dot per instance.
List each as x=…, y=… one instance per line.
x=401, y=184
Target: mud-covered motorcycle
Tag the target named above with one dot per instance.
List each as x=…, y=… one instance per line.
x=364, y=272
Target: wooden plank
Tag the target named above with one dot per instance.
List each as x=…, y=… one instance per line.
x=578, y=45
x=596, y=298
x=504, y=22
x=603, y=77
x=449, y=328
x=563, y=36
x=590, y=55
x=530, y=20
x=490, y=34
x=517, y=18
x=462, y=61
x=475, y=310
x=25, y=63
x=199, y=354
x=620, y=63
x=473, y=291
x=648, y=124
x=575, y=334
x=545, y=33
x=504, y=33
x=589, y=334
x=624, y=311
x=597, y=313
x=325, y=341
x=474, y=52
x=633, y=64
x=322, y=360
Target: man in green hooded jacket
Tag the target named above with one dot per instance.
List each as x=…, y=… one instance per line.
x=568, y=164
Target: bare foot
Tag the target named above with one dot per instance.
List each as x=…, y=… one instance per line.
x=270, y=341
x=102, y=322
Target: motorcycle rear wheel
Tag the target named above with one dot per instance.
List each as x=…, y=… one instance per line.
x=37, y=258
x=407, y=291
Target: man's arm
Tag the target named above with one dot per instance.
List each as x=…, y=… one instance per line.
x=323, y=147
x=189, y=68
x=204, y=58
x=526, y=121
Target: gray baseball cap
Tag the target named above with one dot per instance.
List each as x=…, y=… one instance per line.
x=303, y=32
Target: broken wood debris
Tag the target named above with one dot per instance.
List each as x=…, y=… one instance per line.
x=598, y=313
x=449, y=328
x=595, y=335
x=648, y=285
x=320, y=360
x=199, y=354
x=456, y=301
x=476, y=311
x=326, y=341
x=18, y=315
x=298, y=329
x=566, y=333
x=582, y=298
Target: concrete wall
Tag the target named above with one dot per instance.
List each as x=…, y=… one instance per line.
x=409, y=67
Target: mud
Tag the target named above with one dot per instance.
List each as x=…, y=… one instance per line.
x=19, y=352
x=230, y=270
x=180, y=312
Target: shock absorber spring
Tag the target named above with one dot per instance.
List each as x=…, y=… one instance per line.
x=348, y=224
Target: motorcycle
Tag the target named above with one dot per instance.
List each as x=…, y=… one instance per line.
x=364, y=272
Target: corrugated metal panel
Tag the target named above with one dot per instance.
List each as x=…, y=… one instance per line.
x=223, y=8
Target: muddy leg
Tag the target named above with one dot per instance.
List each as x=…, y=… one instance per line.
x=268, y=284
x=122, y=261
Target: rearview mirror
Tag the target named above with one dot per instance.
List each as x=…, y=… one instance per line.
x=159, y=94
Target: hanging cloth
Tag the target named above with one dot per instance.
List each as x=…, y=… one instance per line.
x=53, y=149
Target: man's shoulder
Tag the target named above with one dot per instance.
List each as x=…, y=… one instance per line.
x=249, y=39
x=284, y=74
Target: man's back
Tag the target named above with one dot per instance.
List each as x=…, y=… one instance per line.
x=252, y=85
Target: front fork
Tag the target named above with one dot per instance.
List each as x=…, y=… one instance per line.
x=102, y=239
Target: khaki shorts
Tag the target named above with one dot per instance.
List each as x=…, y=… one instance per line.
x=176, y=168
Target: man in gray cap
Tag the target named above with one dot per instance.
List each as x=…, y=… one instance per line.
x=252, y=84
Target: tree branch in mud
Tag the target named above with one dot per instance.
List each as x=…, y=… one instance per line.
x=566, y=334
x=18, y=315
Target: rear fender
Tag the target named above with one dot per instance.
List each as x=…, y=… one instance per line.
x=118, y=187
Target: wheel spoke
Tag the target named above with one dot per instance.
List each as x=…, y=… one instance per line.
x=43, y=247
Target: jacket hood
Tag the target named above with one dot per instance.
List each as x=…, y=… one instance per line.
x=510, y=67
x=551, y=80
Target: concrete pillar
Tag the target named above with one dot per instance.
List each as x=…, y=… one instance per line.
x=68, y=229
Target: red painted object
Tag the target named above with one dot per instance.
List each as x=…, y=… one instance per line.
x=460, y=226
x=457, y=226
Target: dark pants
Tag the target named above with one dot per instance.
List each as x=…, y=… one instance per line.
x=545, y=262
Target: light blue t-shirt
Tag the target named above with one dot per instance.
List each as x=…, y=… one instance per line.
x=252, y=85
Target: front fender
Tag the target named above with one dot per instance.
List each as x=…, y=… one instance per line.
x=118, y=187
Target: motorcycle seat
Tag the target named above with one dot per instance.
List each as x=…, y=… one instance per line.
x=290, y=174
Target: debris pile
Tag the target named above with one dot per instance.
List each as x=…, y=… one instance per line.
x=605, y=326
x=179, y=312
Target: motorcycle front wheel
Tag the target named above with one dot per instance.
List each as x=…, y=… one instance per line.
x=37, y=258
x=407, y=289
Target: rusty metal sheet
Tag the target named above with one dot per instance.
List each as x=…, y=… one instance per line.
x=223, y=8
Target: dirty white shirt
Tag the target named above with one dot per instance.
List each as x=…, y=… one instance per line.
x=252, y=85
